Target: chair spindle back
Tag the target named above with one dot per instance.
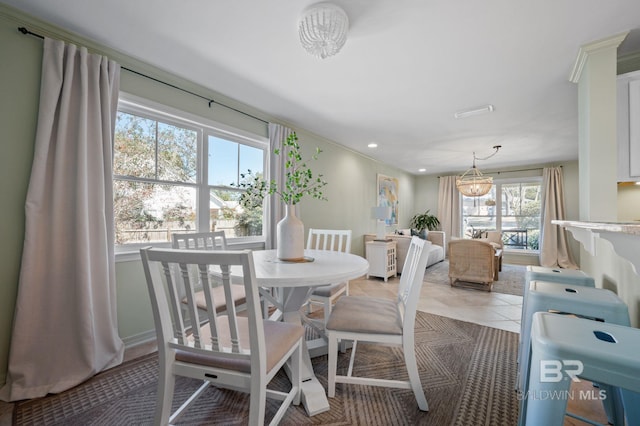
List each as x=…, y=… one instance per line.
x=413, y=271
x=215, y=240
x=330, y=239
x=196, y=270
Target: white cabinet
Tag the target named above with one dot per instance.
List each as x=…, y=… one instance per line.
x=382, y=259
x=628, y=126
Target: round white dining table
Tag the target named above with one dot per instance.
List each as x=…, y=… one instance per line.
x=320, y=268
x=295, y=281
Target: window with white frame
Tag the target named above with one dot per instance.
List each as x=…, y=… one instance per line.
x=512, y=207
x=174, y=174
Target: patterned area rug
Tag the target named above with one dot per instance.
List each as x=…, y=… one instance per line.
x=511, y=278
x=467, y=371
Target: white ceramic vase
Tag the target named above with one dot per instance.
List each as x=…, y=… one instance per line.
x=290, y=236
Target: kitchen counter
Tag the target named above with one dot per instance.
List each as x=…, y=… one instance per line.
x=624, y=236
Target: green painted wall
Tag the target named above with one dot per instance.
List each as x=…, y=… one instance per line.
x=352, y=177
x=351, y=191
x=19, y=94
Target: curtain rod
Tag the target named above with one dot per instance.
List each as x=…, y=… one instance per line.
x=519, y=170
x=25, y=31
x=512, y=171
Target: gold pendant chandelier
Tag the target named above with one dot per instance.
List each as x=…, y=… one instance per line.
x=473, y=183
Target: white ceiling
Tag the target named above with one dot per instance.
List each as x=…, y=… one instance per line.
x=407, y=66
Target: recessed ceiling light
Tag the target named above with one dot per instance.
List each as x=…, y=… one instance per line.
x=474, y=111
x=373, y=145
x=422, y=170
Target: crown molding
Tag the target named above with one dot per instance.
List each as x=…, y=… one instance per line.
x=597, y=46
x=629, y=63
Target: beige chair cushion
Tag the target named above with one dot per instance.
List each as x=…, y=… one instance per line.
x=495, y=245
x=237, y=293
x=279, y=338
x=494, y=238
x=329, y=290
x=362, y=314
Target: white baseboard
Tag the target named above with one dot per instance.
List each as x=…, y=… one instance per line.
x=515, y=258
x=139, y=339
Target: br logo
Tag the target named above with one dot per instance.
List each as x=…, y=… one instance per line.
x=553, y=370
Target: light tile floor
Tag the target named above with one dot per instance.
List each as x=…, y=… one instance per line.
x=490, y=309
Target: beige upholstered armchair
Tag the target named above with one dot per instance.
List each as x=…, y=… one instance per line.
x=474, y=261
x=495, y=238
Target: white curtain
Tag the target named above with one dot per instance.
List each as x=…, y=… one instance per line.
x=449, y=207
x=554, y=250
x=65, y=325
x=275, y=209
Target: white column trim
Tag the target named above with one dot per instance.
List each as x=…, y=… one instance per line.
x=593, y=47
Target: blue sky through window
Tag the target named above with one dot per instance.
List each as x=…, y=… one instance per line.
x=228, y=159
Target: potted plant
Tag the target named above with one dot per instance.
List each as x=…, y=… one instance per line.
x=299, y=180
x=423, y=221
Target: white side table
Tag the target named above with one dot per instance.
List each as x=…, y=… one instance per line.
x=382, y=258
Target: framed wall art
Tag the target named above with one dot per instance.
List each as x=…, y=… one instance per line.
x=388, y=196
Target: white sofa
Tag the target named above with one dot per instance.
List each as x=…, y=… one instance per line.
x=436, y=240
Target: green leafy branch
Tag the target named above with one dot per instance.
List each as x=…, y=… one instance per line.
x=298, y=180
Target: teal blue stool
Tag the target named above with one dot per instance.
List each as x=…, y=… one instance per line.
x=552, y=275
x=555, y=275
x=595, y=304
x=564, y=348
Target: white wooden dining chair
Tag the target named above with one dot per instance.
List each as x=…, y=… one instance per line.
x=241, y=353
x=335, y=240
x=381, y=321
x=215, y=240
